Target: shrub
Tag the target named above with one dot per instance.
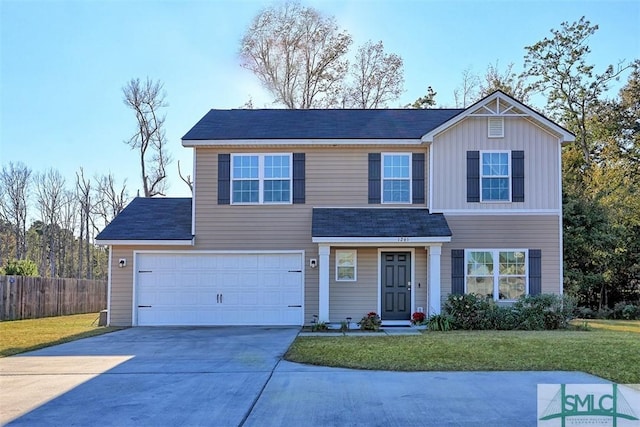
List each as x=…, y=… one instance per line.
x=468, y=311
x=631, y=312
x=370, y=322
x=626, y=311
x=439, y=322
x=319, y=327
x=585, y=313
x=503, y=318
x=604, y=313
x=544, y=311
x=20, y=267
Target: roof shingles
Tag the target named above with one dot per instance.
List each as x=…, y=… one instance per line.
x=378, y=222
x=318, y=124
x=151, y=219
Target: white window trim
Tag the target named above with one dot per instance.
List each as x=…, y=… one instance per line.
x=261, y=179
x=383, y=179
x=508, y=176
x=496, y=270
x=355, y=264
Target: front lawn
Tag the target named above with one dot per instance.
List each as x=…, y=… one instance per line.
x=18, y=336
x=608, y=354
x=610, y=325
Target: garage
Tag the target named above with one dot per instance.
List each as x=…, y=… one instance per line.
x=218, y=288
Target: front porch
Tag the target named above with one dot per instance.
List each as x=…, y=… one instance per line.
x=385, y=260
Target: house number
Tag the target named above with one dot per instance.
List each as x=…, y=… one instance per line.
x=403, y=239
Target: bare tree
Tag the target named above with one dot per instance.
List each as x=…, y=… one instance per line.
x=508, y=82
x=467, y=93
x=146, y=99
x=186, y=179
x=377, y=77
x=109, y=200
x=50, y=198
x=83, y=189
x=15, y=181
x=66, y=240
x=297, y=54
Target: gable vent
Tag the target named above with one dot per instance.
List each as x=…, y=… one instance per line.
x=496, y=127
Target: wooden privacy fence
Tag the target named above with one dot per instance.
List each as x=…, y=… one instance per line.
x=35, y=297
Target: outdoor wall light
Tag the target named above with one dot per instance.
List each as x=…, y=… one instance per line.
x=313, y=263
x=122, y=263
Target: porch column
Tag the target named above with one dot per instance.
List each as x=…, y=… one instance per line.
x=434, y=279
x=323, y=288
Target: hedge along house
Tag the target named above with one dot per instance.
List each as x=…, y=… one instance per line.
x=336, y=213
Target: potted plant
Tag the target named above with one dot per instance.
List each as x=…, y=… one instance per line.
x=419, y=320
x=370, y=322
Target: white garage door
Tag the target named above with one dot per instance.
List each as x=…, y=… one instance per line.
x=219, y=289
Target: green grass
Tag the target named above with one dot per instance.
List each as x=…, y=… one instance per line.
x=18, y=336
x=608, y=354
x=610, y=325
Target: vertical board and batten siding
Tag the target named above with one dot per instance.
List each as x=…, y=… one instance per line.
x=542, y=189
x=355, y=299
x=506, y=232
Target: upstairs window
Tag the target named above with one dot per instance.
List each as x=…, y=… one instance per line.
x=261, y=178
x=396, y=178
x=495, y=176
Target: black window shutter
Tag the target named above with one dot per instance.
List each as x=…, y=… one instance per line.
x=417, y=174
x=535, y=271
x=473, y=176
x=298, y=177
x=374, y=178
x=517, y=176
x=224, y=179
x=457, y=271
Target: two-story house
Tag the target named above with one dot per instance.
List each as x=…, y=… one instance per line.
x=303, y=215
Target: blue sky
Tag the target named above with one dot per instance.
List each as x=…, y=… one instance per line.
x=63, y=63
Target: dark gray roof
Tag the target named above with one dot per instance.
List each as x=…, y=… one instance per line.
x=318, y=124
x=151, y=219
x=378, y=222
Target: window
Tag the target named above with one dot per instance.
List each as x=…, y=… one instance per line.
x=494, y=174
x=496, y=274
x=396, y=178
x=346, y=265
x=261, y=178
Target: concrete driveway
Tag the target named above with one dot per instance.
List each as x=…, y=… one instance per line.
x=234, y=376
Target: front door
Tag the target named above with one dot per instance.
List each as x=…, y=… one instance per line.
x=396, y=285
